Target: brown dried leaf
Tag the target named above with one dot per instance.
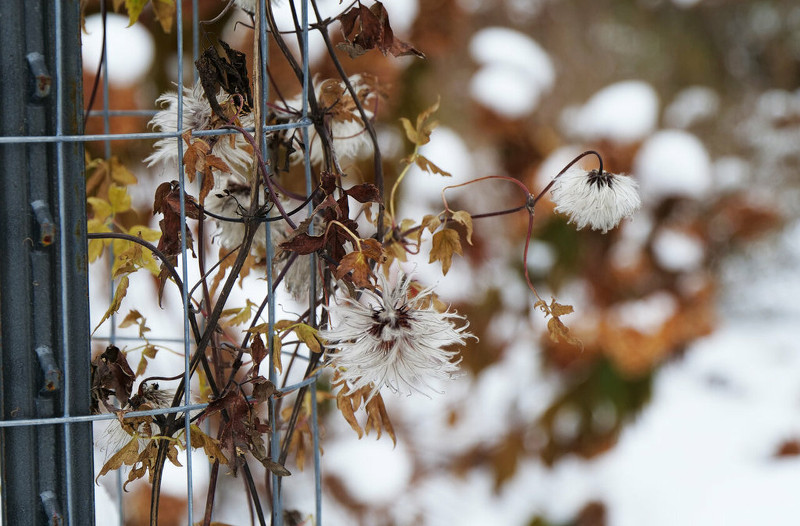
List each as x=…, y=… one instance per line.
x=372, y=30
x=262, y=389
x=445, y=243
x=126, y=456
x=348, y=403
x=258, y=351
x=558, y=331
x=112, y=372
x=358, y=263
x=364, y=193
x=165, y=13
x=304, y=244
x=425, y=164
x=378, y=418
x=465, y=219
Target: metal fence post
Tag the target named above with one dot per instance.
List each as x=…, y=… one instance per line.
x=47, y=469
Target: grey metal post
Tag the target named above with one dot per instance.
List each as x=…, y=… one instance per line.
x=47, y=472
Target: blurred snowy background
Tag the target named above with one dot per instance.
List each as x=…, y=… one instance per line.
x=684, y=405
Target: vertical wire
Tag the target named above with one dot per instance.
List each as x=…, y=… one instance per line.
x=275, y=434
x=112, y=336
x=312, y=300
x=63, y=240
x=317, y=464
x=184, y=272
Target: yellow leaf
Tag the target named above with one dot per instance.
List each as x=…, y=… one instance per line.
x=276, y=354
x=96, y=246
x=261, y=328
x=422, y=117
x=122, y=290
x=101, y=209
x=125, y=261
x=209, y=445
x=411, y=133
x=282, y=325
x=308, y=335
x=146, y=233
x=465, y=219
x=240, y=316
x=134, y=8
x=120, y=174
x=148, y=353
x=445, y=242
x=165, y=13
x=424, y=128
x=119, y=198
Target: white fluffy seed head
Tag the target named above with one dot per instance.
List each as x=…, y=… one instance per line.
x=350, y=139
x=197, y=115
x=598, y=200
x=393, y=340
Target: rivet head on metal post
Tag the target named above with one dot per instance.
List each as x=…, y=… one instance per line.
x=51, y=508
x=47, y=229
x=50, y=370
x=41, y=78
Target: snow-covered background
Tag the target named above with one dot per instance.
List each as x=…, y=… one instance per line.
x=692, y=304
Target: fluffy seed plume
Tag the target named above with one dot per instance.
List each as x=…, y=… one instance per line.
x=598, y=200
x=393, y=339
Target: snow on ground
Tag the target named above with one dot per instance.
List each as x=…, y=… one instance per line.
x=130, y=50
x=691, y=105
x=515, y=72
x=624, y=112
x=702, y=452
x=673, y=163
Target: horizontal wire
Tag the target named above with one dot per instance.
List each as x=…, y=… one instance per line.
x=141, y=135
x=151, y=412
x=123, y=113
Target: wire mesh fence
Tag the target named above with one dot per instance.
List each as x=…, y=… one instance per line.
x=47, y=389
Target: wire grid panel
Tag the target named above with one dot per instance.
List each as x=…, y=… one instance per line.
x=62, y=137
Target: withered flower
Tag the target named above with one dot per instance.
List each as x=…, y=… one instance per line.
x=393, y=339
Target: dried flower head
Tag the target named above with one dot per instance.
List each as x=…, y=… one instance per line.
x=598, y=200
x=120, y=430
x=347, y=129
x=393, y=339
x=198, y=115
